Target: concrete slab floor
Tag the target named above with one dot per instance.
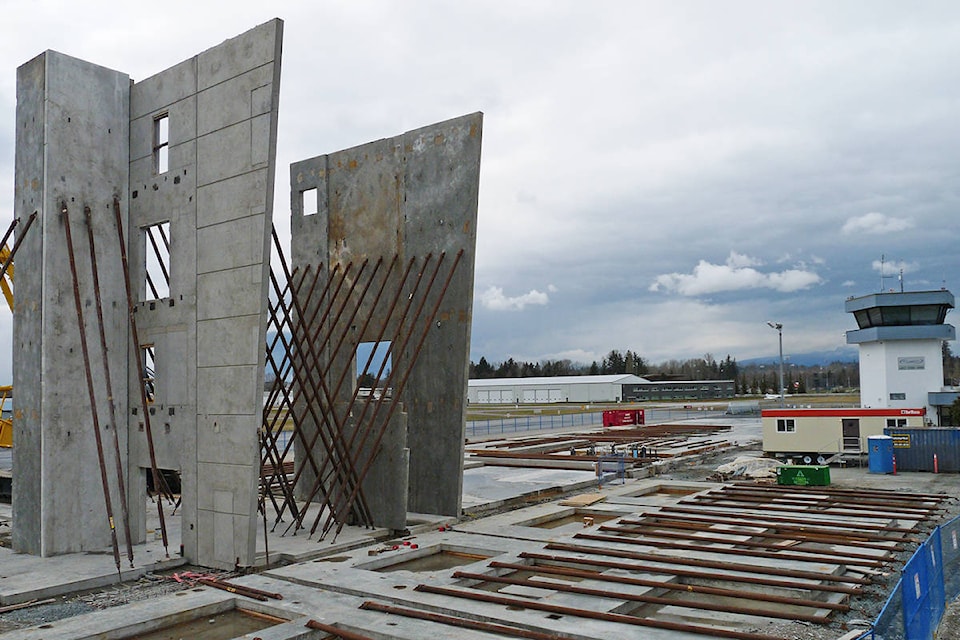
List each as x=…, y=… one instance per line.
x=330, y=581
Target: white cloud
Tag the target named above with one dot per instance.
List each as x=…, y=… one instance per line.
x=848, y=283
x=739, y=260
x=494, y=299
x=876, y=224
x=736, y=275
x=893, y=267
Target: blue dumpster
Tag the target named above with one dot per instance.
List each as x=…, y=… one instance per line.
x=880, y=454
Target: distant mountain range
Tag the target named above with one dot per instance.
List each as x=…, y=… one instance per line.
x=810, y=359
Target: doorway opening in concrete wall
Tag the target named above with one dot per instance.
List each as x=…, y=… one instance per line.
x=374, y=363
x=163, y=495
x=156, y=252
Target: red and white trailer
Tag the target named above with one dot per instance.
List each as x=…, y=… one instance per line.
x=813, y=436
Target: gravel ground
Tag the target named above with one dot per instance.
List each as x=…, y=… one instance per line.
x=950, y=623
x=148, y=587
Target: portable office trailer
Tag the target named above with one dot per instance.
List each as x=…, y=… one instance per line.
x=814, y=435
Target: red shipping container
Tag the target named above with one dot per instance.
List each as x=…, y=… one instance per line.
x=622, y=417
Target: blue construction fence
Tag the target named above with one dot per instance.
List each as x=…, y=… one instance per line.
x=930, y=580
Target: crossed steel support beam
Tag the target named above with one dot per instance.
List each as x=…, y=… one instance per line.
x=317, y=318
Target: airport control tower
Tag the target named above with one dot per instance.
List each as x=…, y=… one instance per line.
x=900, y=336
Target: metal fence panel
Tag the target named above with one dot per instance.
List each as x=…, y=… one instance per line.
x=889, y=624
x=950, y=548
x=921, y=576
x=934, y=553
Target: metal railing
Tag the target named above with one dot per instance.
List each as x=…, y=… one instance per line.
x=590, y=419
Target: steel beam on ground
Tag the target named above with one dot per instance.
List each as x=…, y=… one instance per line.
x=706, y=563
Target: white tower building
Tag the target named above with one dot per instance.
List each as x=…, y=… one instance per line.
x=901, y=337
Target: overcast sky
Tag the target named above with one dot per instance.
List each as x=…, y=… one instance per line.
x=658, y=176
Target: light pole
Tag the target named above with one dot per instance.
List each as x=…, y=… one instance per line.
x=779, y=327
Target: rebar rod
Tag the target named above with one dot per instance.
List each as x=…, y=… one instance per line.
x=108, y=381
x=753, y=552
x=383, y=327
x=399, y=389
x=144, y=405
x=17, y=242
x=673, y=570
x=759, y=596
x=108, y=502
x=499, y=630
x=706, y=563
x=366, y=427
x=635, y=597
x=527, y=603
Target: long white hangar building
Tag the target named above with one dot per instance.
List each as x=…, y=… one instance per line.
x=607, y=388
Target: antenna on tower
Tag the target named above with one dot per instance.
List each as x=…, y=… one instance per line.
x=881, y=272
x=901, y=279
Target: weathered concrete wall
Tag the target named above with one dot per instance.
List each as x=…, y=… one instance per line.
x=412, y=196
x=86, y=136
x=72, y=132
x=209, y=333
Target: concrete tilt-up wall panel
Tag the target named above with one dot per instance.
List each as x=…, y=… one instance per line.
x=413, y=195
x=72, y=129
x=87, y=137
x=209, y=332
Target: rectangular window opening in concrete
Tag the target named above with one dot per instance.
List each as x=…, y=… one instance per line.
x=374, y=363
x=148, y=356
x=309, y=203
x=161, y=143
x=156, y=251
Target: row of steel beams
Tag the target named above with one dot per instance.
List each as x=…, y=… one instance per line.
x=603, y=569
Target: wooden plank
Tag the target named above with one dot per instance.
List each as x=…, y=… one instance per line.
x=583, y=500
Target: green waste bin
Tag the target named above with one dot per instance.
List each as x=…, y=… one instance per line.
x=804, y=475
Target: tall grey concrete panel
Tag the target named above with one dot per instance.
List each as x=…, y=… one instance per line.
x=72, y=132
x=414, y=197
x=188, y=155
x=208, y=330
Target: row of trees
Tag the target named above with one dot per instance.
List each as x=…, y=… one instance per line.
x=750, y=379
x=615, y=362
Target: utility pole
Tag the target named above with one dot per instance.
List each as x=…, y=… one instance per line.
x=779, y=327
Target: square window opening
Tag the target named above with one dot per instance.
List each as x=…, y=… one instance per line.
x=374, y=362
x=156, y=266
x=309, y=202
